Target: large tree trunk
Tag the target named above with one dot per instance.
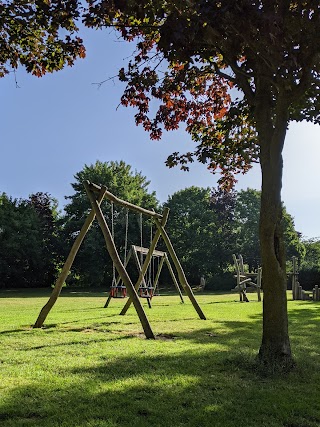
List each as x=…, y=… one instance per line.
x=275, y=350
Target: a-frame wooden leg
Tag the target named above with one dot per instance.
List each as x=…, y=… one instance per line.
x=176, y=284
x=108, y=300
x=118, y=264
x=244, y=296
x=67, y=266
x=181, y=275
x=139, y=267
x=156, y=280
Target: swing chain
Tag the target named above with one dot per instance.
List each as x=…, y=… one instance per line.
x=126, y=237
x=141, y=238
x=112, y=234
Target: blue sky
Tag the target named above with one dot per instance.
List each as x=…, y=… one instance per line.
x=51, y=127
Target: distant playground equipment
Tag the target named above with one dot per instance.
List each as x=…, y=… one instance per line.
x=246, y=281
x=297, y=292
x=201, y=286
x=251, y=281
x=96, y=195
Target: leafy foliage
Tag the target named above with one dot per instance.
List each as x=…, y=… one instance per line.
x=196, y=233
x=39, y=34
x=312, y=256
x=28, y=242
x=210, y=47
x=309, y=269
x=208, y=226
x=247, y=213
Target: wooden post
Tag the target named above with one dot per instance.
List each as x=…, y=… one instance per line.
x=156, y=280
x=240, y=294
x=146, y=263
x=118, y=263
x=259, y=279
x=67, y=266
x=181, y=275
x=237, y=265
x=176, y=284
x=294, y=280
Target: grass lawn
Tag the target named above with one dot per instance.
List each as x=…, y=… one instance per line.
x=90, y=367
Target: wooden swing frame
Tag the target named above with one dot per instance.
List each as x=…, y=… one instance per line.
x=96, y=194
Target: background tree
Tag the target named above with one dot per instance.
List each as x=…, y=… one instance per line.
x=270, y=52
x=192, y=228
x=92, y=265
x=309, y=271
x=46, y=209
x=222, y=204
x=201, y=228
x=247, y=212
x=28, y=242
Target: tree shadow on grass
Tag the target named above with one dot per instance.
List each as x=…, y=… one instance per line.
x=52, y=327
x=46, y=292
x=213, y=384
x=304, y=328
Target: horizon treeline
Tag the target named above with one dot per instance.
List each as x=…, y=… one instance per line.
x=205, y=225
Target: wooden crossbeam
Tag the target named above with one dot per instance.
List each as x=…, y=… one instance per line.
x=96, y=188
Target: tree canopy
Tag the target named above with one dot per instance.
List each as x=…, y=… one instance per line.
x=247, y=212
x=211, y=47
x=201, y=236
x=40, y=35
x=29, y=248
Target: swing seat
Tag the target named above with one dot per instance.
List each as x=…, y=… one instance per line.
x=119, y=291
x=146, y=292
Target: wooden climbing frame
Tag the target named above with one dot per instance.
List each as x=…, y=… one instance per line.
x=246, y=280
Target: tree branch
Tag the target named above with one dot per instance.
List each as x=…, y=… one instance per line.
x=242, y=79
x=222, y=74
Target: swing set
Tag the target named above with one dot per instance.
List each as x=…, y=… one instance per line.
x=96, y=194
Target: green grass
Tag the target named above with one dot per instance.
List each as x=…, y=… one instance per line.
x=90, y=367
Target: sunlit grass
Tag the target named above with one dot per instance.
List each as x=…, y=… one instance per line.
x=91, y=367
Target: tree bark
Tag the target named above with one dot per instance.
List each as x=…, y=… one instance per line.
x=275, y=350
